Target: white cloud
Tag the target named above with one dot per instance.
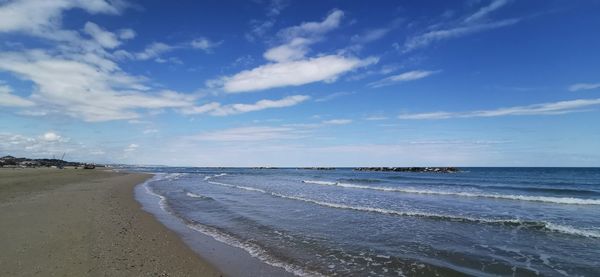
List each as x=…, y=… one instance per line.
x=311, y=29
x=370, y=35
x=333, y=96
x=156, y=49
x=105, y=38
x=204, y=44
x=584, y=86
x=153, y=50
x=127, y=34
x=442, y=34
x=91, y=88
x=51, y=137
x=294, y=50
x=150, y=131
x=7, y=99
x=44, y=17
x=217, y=109
x=337, y=121
x=276, y=6
x=293, y=73
x=288, y=64
x=555, y=108
x=484, y=11
x=376, y=118
x=44, y=145
x=403, y=77
x=472, y=23
x=258, y=133
x=132, y=147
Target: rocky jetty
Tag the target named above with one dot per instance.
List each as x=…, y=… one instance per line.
x=410, y=169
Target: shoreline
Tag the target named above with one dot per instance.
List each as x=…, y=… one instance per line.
x=231, y=258
x=86, y=223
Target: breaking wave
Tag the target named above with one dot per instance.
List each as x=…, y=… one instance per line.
x=519, y=223
x=546, y=199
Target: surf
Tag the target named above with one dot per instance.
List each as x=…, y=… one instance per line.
x=545, y=199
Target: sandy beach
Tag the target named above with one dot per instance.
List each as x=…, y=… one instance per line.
x=85, y=223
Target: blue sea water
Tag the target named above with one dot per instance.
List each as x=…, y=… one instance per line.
x=480, y=221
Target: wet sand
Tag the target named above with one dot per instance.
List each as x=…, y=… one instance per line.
x=85, y=223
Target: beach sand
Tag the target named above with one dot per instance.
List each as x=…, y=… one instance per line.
x=76, y=222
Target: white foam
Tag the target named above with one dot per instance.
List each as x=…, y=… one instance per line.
x=252, y=249
x=206, y=178
x=514, y=222
x=572, y=230
x=547, y=199
x=193, y=195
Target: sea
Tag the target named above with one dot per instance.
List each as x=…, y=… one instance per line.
x=342, y=222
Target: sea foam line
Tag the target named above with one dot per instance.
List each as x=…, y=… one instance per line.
x=251, y=248
x=530, y=224
x=546, y=199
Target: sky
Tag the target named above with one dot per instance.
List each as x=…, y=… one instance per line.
x=302, y=83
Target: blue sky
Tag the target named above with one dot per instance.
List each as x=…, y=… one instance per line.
x=302, y=83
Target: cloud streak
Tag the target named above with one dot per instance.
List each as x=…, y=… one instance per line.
x=217, y=109
x=584, y=86
x=256, y=133
x=8, y=99
x=554, y=108
x=292, y=73
x=427, y=38
x=473, y=23
x=403, y=77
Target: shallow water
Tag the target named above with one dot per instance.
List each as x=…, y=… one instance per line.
x=481, y=221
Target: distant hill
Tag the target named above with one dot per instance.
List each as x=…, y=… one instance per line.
x=27, y=162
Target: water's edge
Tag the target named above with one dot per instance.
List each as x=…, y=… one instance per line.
x=230, y=260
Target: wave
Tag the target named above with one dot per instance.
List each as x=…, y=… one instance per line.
x=251, y=248
x=547, y=199
x=361, y=180
x=206, y=178
x=193, y=195
x=519, y=223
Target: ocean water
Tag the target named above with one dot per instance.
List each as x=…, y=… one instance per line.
x=480, y=221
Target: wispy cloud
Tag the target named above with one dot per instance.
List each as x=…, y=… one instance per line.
x=204, y=44
x=105, y=38
x=31, y=17
x=334, y=95
x=292, y=73
x=217, y=109
x=403, y=77
x=584, y=86
x=554, y=108
x=442, y=34
x=256, y=133
x=484, y=11
x=157, y=49
x=376, y=118
x=337, y=121
x=473, y=23
x=8, y=99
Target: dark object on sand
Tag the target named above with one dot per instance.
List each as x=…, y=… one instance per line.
x=89, y=166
